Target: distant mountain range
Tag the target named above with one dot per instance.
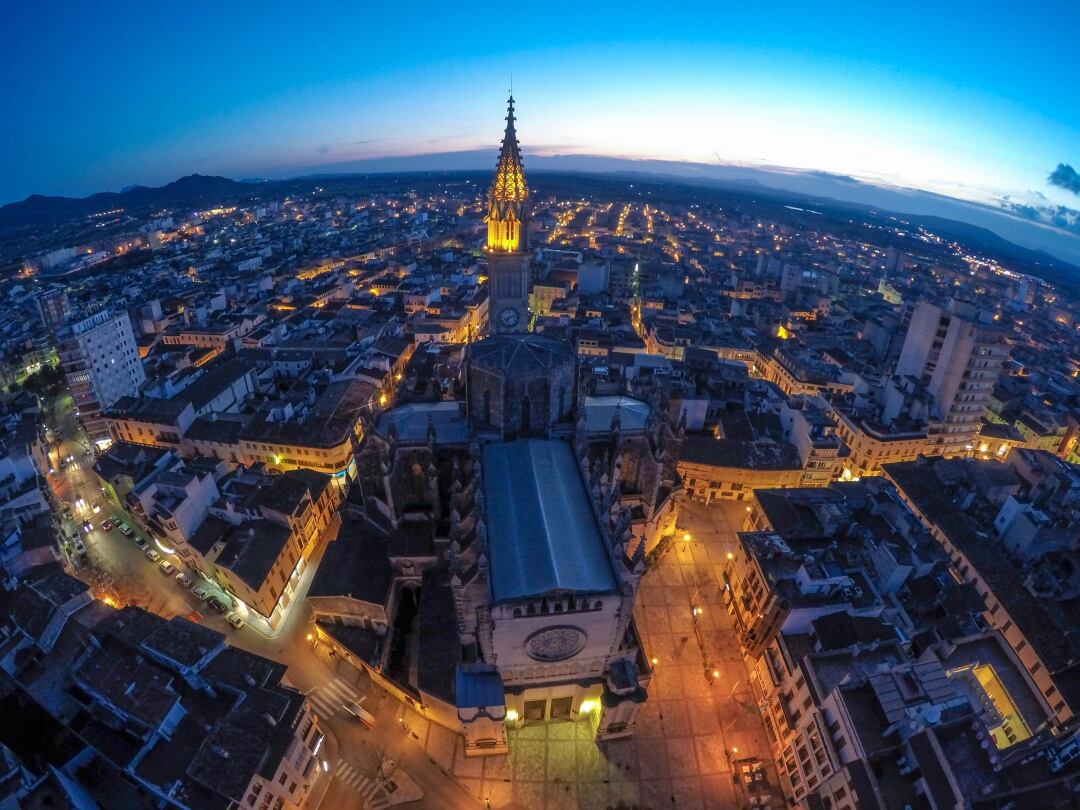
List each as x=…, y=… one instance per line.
x=1040, y=250
x=40, y=210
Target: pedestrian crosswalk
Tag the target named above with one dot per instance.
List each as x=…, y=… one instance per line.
x=364, y=785
x=329, y=698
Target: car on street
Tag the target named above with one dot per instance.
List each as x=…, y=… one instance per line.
x=235, y=619
x=107, y=525
x=201, y=591
x=152, y=555
x=80, y=548
x=360, y=713
x=140, y=542
x=96, y=507
x=167, y=568
x=86, y=527
x=125, y=529
x=184, y=579
x=216, y=604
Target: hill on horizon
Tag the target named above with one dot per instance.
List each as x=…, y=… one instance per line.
x=386, y=174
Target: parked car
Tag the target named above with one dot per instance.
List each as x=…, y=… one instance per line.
x=360, y=713
x=201, y=591
x=125, y=529
x=80, y=548
x=152, y=555
x=107, y=525
x=217, y=605
x=167, y=568
x=184, y=579
x=140, y=542
x=235, y=619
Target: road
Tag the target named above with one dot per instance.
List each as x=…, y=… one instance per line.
x=118, y=569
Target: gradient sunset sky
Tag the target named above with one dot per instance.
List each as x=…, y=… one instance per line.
x=974, y=100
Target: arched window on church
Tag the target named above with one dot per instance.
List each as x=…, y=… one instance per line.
x=487, y=406
x=525, y=414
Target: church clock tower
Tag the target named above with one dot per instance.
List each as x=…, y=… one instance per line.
x=507, y=237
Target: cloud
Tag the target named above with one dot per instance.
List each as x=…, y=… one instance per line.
x=445, y=138
x=326, y=148
x=1066, y=177
x=1056, y=215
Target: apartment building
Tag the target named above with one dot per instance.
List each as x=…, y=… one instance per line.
x=958, y=353
x=100, y=359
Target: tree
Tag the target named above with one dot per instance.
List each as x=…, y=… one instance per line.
x=374, y=763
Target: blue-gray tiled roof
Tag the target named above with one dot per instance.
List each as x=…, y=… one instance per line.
x=543, y=535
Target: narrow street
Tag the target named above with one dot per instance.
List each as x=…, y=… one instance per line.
x=121, y=572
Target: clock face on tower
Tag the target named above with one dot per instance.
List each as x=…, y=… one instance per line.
x=509, y=317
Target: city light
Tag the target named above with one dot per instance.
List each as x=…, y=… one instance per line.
x=235, y=461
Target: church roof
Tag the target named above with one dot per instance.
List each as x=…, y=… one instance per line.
x=411, y=422
x=509, y=183
x=519, y=354
x=599, y=412
x=543, y=536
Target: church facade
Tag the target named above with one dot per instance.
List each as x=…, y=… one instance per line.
x=515, y=523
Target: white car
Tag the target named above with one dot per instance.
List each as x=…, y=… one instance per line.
x=360, y=713
x=183, y=579
x=235, y=619
x=152, y=555
x=167, y=568
x=125, y=529
x=200, y=591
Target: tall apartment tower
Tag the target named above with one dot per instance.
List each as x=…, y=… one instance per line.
x=100, y=360
x=53, y=307
x=958, y=354
x=507, y=237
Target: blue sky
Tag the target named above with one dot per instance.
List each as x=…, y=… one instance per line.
x=975, y=100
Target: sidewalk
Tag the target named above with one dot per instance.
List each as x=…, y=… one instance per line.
x=328, y=753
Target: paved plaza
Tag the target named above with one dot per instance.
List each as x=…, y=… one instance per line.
x=692, y=731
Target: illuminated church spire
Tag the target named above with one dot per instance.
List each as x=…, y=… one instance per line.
x=506, y=216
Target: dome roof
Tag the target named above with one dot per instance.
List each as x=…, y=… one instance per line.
x=523, y=354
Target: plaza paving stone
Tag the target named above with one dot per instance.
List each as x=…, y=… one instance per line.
x=678, y=757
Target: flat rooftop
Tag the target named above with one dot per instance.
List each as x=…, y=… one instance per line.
x=543, y=534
